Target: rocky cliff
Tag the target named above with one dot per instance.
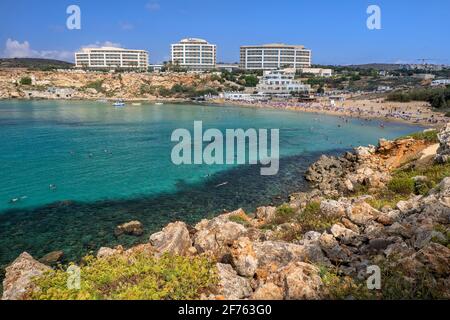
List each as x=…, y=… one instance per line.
x=70, y=84
x=384, y=207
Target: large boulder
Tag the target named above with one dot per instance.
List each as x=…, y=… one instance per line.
x=217, y=235
x=332, y=249
x=332, y=208
x=244, y=257
x=436, y=257
x=268, y=291
x=173, y=239
x=19, y=277
x=443, y=153
x=266, y=214
x=231, y=285
x=361, y=213
x=275, y=254
x=299, y=280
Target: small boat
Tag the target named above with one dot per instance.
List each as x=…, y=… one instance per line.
x=158, y=103
x=119, y=103
x=136, y=104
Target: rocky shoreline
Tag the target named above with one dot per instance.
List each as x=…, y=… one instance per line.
x=367, y=208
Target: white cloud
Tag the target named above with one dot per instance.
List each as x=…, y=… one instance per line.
x=16, y=49
x=152, y=6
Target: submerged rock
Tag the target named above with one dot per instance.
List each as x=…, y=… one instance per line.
x=52, y=258
x=133, y=228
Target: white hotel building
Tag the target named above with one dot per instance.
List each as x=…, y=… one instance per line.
x=194, y=54
x=281, y=82
x=274, y=56
x=110, y=58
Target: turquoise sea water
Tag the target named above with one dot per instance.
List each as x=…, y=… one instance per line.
x=108, y=166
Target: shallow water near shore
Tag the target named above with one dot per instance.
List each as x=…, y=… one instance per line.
x=108, y=166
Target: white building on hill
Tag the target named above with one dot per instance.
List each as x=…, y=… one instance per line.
x=111, y=58
x=274, y=56
x=194, y=54
x=281, y=82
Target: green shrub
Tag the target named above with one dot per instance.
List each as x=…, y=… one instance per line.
x=398, y=285
x=239, y=219
x=97, y=85
x=385, y=198
x=430, y=136
x=26, y=81
x=312, y=219
x=401, y=185
x=437, y=97
x=339, y=287
x=284, y=214
x=137, y=277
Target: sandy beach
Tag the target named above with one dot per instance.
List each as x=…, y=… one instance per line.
x=411, y=112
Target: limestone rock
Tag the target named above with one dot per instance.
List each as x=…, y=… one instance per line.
x=276, y=253
x=19, y=275
x=105, y=252
x=443, y=153
x=266, y=214
x=332, y=249
x=361, y=213
x=244, y=257
x=173, y=239
x=268, y=291
x=332, y=208
x=300, y=280
x=232, y=286
x=216, y=235
x=436, y=257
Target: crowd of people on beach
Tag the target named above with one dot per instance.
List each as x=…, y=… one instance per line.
x=410, y=114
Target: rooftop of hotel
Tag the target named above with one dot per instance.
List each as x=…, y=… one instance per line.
x=87, y=49
x=194, y=40
x=275, y=45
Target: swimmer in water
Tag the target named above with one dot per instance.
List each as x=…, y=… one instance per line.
x=52, y=187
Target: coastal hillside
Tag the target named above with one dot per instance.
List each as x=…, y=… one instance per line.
x=70, y=84
x=384, y=208
x=34, y=64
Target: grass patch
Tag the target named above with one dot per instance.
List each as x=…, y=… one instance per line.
x=386, y=198
x=403, y=185
x=434, y=173
x=442, y=241
x=239, y=219
x=97, y=85
x=343, y=287
x=138, y=277
x=397, y=285
x=429, y=136
x=284, y=214
x=312, y=219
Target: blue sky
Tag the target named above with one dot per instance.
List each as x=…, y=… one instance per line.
x=335, y=30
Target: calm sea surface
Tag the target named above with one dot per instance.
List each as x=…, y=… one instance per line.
x=80, y=168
